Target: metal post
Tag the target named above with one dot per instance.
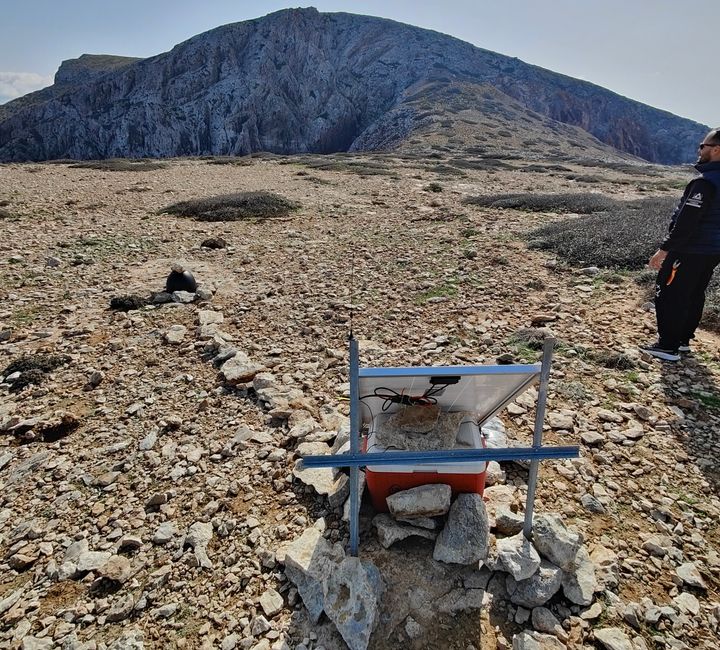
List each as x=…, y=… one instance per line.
x=354, y=446
x=538, y=433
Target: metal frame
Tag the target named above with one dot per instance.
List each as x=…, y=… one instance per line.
x=354, y=460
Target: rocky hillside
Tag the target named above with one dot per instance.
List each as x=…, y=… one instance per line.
x=303, y=81
x=150, y=495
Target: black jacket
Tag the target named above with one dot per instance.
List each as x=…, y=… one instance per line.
x=695, y=224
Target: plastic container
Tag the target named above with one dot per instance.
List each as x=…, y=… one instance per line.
x=384, y=480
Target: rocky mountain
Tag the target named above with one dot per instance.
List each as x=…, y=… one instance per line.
x=303, y=81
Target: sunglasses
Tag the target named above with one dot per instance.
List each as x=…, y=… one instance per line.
x=702, y=145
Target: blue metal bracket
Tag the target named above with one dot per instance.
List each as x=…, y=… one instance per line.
x=440, y=457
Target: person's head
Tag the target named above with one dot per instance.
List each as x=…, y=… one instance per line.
x=709, y=148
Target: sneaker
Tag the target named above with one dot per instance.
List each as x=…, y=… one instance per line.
x=684, y=347
x=655, y=350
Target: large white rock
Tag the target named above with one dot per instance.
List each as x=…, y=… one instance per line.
x=421, y=501
x=579, y=584
x=555, y=541
x=517, y=556
x=198, y=538
x=389, y=531
x=240, y=369
x=690, y=575
x=308, y=560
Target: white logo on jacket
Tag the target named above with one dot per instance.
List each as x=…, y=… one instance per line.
x=695, y=201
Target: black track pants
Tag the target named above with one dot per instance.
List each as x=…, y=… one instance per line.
x=680, y=296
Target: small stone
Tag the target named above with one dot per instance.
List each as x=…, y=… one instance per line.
x=536, y=590
x=165, y=532
x=175, y=334
x=613, y=638
x=121, y=609
x=592, y=438
x=390, y=532
x=92, y=560
x=564, y=421
x=591, y=504
x=508, y=522
x=271, y=602
x=117, y=568
x=164, y=611
x=690, y=575
x=543, y=620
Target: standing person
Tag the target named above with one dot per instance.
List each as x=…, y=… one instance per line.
x=688, y=256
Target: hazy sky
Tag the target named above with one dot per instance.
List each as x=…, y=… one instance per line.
x=656, y=51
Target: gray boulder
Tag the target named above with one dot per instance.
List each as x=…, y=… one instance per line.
x=352, y=593
x=536, y=590
x=555, y=541
x=517, y=556
x=464, y=540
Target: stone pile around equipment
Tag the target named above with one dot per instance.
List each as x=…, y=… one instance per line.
x=484, y=535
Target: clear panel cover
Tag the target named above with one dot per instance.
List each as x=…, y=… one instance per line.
x=484, y=390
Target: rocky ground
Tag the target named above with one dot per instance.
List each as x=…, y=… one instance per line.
x=148, y=500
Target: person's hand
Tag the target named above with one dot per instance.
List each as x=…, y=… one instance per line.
x=656, y=260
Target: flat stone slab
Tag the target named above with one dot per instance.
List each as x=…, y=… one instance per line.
x=421, y=501
x=390, y=531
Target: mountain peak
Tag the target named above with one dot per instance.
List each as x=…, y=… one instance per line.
x=298, y=80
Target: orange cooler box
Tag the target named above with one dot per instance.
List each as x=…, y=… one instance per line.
x=384, y=480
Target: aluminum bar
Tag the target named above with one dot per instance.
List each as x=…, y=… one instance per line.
x=354, y=447
x=537, y=434
x=440, y=457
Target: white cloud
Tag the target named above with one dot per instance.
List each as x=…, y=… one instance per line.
x=16, y=84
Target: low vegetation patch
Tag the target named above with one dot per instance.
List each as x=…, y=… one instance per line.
x=233, y=207
x=242, y=161
x=33, y=368
x=128, y=303
x=579, y=203
x=120, y=165
x=622, y=236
